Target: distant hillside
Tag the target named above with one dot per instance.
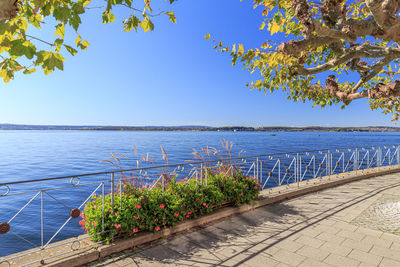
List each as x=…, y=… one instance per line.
x=200, y=128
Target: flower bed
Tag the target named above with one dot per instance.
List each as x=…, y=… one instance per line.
x=141, y=209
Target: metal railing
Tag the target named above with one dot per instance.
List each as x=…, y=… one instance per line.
x=50, y=207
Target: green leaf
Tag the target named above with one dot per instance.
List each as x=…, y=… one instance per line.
x=71, y=50
x=75, y=21
x=108, y=17
x=62, y=13
x=131, y=23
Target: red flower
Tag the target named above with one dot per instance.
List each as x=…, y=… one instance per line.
x=135, y=230
x=164, y=223
x=204, y=204
x=176, y=214
x=241, y=194
x=189, y=212
x=255, y=187
x=157, y=228
x=111, y=211
x=137, y=206
x=197, y=199
x=155, y=220
x=118, y=226
x=162, y=206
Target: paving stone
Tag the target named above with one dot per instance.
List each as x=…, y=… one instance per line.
x=388, y=253
x=345, y=226
x=289, y=245
x=330, y=238
x=313, y=253
x=261, y=260
x=377, y=241
x=313, y=263
x=313, y=242
x=357, y=245
x=335, y=249
x=351, y=235
x=370, y=232
x=340, y=261
x=389, y=263
x=365, y=257
x=395, y=246
x=288, y=257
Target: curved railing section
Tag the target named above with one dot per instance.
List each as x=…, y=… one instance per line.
x=52, y=206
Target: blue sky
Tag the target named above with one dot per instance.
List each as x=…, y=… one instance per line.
x=171, y=76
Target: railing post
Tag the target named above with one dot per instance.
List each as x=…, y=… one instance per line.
x=261, y=176
x=398, y=155
x=379, y=157
x=201, y=176
x=297, y=169
x=41, y=219
x=112, y=189
x=257, y=170
x=206, y=175
x=355, y=161
x=163, y=183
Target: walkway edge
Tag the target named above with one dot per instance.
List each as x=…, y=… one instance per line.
x=265, y=199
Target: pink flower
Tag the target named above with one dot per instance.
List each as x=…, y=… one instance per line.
x=162, y=206
x=111, y=211
x=82, y=215
x=118, y=226
x=255, y=187
x=204, y=204
x=163, y=218
x=116, y=214
x=95, y=206
x=137, y=206
x=164, y=223
x=94, y=224
x=157, y=228
x=189, y=212
x=197, y=199
x=136, y=217
x=241, y=194
x=176, y=214
x=135, y=230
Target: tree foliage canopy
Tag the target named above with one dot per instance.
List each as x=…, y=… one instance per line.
x=320, y=46
x=20, y=50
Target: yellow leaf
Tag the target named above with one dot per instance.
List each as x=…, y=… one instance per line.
x=274, y=28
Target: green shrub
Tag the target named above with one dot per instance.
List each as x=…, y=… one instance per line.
x=140, y=209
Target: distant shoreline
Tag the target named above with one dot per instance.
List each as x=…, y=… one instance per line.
x=202, y=128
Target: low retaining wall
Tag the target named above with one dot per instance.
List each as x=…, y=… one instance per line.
x=88, y=251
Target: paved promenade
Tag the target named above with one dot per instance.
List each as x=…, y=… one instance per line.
x=357, y=224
